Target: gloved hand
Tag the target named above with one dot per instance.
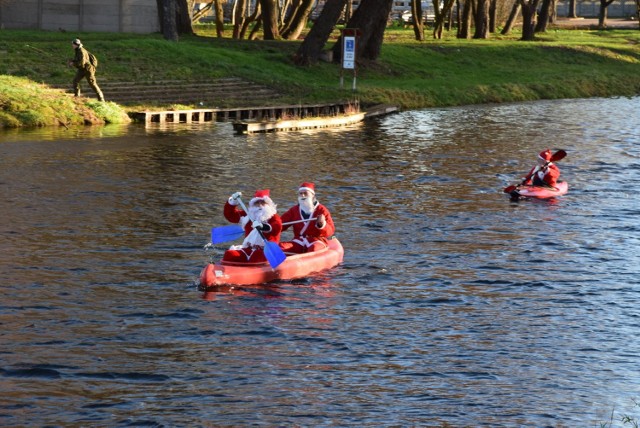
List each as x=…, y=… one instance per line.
x=233, y=200
x=257, y=225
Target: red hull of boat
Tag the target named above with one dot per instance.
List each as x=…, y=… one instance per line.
x=295, y=266
x=541, y=192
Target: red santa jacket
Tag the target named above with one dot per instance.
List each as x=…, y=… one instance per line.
x=233, y=213
x=547, y=175
x=309, y=229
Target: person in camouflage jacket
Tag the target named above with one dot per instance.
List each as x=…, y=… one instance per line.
x=85, y=69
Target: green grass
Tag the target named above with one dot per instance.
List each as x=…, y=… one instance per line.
x=410, y=74
x=25, y=103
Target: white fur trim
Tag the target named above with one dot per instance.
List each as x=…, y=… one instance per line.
x=308, y=189
x=266, y=199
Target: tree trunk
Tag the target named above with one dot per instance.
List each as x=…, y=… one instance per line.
x=169, y=27
x=371, y=19
x=571, y=13
x=493, y=15
x=253, y=35
x=513, y=15
x=348, y=10
x=239, y=18
x=602, y=15
x=543, y=17
x=481, y=20
x=219, y=18
x=200, y=13
x=311, y=48
x=464, y=29
x=418, y=22
x=529, y=8
x=298, y=20
x=441, y=16
x=553, y=11
x=638, y=12
x=270, y=19
x=183, y=17
x=254, y=17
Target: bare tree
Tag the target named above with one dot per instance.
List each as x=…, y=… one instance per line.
x=441, y=16
x=298, y=19
x=602, y=14
x=370, y=18
x=571, y=11
x=493, y=15
x=219, y=18
x=418, y=21
x=239, y=17
x=513, y=15
x=546, y=16
x=311, y=48
x=529, y=8
x=200, y=13
x=464, y=24
x=168, y=24
x=481, y=20
x=270, y=19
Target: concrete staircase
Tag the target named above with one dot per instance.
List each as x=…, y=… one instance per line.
x=212, y=93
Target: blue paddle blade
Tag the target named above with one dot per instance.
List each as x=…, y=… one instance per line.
x=226, y=233
x=274, y=254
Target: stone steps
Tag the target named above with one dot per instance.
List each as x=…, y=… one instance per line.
x=227, y=91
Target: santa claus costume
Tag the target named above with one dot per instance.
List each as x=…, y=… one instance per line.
x=316, y=226
x=262, y=215
x=545, y=174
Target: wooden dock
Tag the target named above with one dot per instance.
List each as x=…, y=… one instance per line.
x=244, y=113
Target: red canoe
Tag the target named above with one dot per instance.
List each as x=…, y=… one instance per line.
x=540, y=192
x=295, y=266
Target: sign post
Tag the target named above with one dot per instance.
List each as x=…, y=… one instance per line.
x=349, y=41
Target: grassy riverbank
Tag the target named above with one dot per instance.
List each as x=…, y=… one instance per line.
x=411, y=74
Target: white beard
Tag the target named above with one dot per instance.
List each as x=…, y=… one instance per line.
x=262, y=213
x=306, y=205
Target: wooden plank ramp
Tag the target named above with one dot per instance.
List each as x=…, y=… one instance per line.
x=298, y=124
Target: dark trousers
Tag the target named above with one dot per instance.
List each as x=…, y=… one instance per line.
x=90, y=75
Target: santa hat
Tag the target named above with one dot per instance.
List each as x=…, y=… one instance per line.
x=308, y=186
x=261, y=195
x=545, y=155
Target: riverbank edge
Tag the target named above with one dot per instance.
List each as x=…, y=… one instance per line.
x=590, y=71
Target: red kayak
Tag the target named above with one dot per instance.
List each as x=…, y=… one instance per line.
x=294, y=266
x=540, y=192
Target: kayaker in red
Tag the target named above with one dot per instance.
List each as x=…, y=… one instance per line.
x=546, y=173
x=314, y=223
x=262, y=215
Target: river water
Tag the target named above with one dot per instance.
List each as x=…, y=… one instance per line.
x=454, y=306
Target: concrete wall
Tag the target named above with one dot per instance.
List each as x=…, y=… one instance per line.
x=584, y=8
x=591, y=8
x=127, y=16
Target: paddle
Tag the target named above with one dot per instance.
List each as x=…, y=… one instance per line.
x=272, y=251
x=298, y=221
x=235, y=231
x=226, y=233
x=560, y=154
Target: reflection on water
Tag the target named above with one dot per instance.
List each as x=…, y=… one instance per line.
x=453, y=305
